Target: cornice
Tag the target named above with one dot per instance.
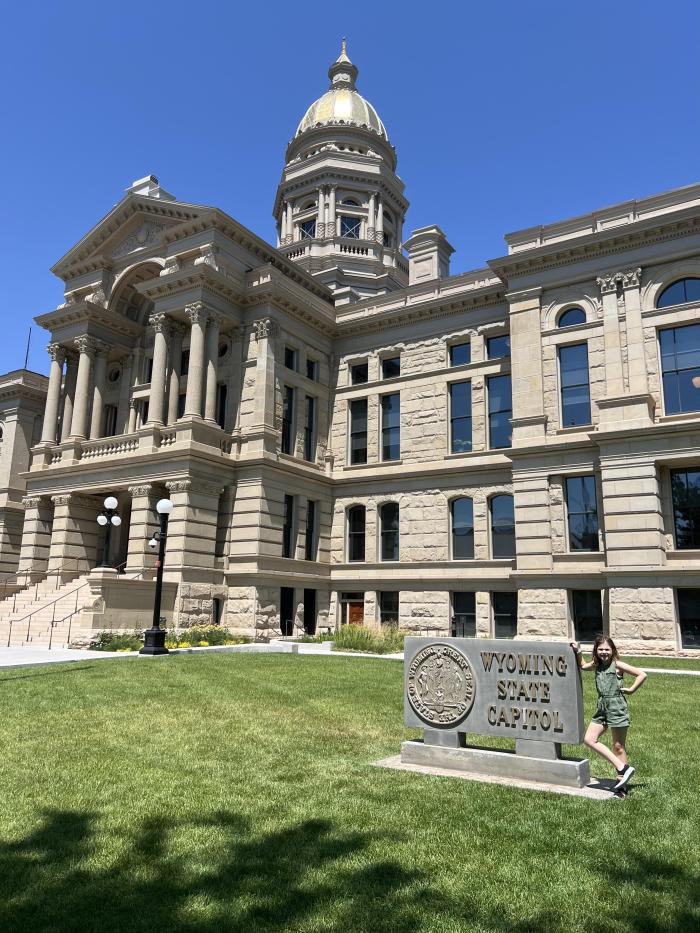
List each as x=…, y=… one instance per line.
x=85, y=312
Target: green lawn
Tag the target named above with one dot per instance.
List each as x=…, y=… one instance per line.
x=236, y=793
x=678, y=664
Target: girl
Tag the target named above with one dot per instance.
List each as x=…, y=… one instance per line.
x=612, y=706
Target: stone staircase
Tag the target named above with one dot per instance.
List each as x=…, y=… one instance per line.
x=44, y=614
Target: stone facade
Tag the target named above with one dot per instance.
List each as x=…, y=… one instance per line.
x=191, y=359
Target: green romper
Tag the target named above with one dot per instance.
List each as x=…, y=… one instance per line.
x=612, y=709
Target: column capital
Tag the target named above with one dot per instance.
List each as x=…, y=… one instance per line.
x=101, y=348
x=215, y=317
x=57, y=353
x=631, y=278
x=265, y=327
x=87, y=344
x=63, y=499
x=31, y=502
x=197, y=312
x=179, y=485
x=160, y=323
x=143, y=490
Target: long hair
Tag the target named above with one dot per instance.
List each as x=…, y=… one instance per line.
x=598, y=642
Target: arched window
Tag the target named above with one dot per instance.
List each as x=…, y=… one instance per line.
x=502, y=526
x=389, y=530
x=462, y=515
x=351, y=202
x=356, y=533
x=571, y=316
x=679, y=292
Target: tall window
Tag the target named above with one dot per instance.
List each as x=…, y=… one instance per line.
x=571, y=317
x=221, y=397
x=582, y=509
x=500, y=411
x=312, y=369
x=389, y=607
x=681, y=291
x=685, y=491
x=291, y=358
x=505, y=614
x=391, y=367
x=680, y=368
x=358, y=373
x=288, y=421
x=307, y=230
x=460, y=417
x=356, y=533
x=310, y=429
x=460, y=354
x=110, y=416
x=587, y=612
x=358, y=430
x=463, y=615
x=575, y=390
x=185, y=362
x=502, y=526
x=350, y=227
x=310, y=538
x=391, y=426
x=689, y=617
x=389, y=524
x=497, y=347
x=462, y=514
x=288, y=527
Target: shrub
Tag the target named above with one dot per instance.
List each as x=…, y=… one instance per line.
x=360, y=638
x=117, y=641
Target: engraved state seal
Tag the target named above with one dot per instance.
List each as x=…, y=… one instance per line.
x=441, y=685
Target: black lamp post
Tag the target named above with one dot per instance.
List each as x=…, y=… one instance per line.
x=154, y=637
x=106, y=519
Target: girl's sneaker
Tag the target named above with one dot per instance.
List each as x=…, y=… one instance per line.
x=623, y=777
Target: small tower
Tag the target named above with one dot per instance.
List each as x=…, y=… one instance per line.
x=340, y=205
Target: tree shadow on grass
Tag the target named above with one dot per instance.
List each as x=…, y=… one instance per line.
x=45, y=671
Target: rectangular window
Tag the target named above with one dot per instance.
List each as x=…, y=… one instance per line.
x=689, y=617
x=149, y=369
x=685, y=492
x=464, y=615
x=356, y=533
x=498, y=347
x=310, y=539
x=389, y=607
x=310, y=429
x=389, y=531
x=460, y=417
x=460, y=354
x=312, y=369
x=391, y=367
x=290, y=358
x=185, y=362
x=288, y=420
x=307, y=230
x=181, y=399
x=505, y=614
x=110, y=416
x=680, y=368
x=143, y=408
x=221, y=397
x=587, y=613
x=582, y=510
x=462, y=515
x=358, y=373
x=500, y=411
x=391, y=426
x=350, y=227
x=358, y=430
x=502, y=513
x=575, y=390
x=288, y=527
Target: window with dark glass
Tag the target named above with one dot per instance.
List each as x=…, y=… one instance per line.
x=680, y=368
x=685, y=492
x=110, y=416
x=389, y=607
x=463, y=615
x=181, y=399
x=310, y=538
x=312, y=369
x=500, y=399
x=358, y=373
x=290, y=358
x=497, y=347
x=460, y=354
x=358, y=430
x=582, y=511
x=310, y=429
x=460, y=417
x=389, y=531
x=587, y=613
x=288, y=420
x=350, y=227
x=144, y=411
x=391, y=367
x=356, y=533
x=388, y=239
x=571, y=317
x=288, y=527
x=462, y=514
x=307, y=230
x=502, y=526
x=575, y=390
x=221, y=397
x=149, y=368
x=689, y=617
x=505, y=614
x=679, y=292
x=391, y=426
x=185, y=362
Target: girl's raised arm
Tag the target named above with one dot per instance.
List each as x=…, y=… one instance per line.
x=639, y=676
x=583, y=665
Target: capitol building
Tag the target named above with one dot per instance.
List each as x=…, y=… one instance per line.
x=348, y=432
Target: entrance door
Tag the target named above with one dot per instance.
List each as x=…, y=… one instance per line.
x=352, y=608
x=287, y=610
x=310, y=612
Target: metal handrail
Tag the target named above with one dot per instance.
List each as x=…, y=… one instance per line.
x=49, y=573
x=76, y=611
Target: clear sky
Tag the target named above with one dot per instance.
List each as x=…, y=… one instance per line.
x=504, y=114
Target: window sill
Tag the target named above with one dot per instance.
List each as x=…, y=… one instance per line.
x=679, y=554
x=681, y=416
x=378, y=463
x=586, y=556
x=576, y=429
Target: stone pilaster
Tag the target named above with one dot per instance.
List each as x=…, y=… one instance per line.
x=263, y=435
x=529, y=420
x=633, y=520
x=175, y=370
x=532, y=521
x=101, y=351
x=212, y=365
x=192, y=523
x=69, y=395
x=86, y=347
x=143, y=523
x=74, y=534
x=195, y=376
x=53, y=398
x=160, y=325
x=36, y=537
x=125, y=394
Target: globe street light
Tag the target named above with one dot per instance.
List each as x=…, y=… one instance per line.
x=154, y=637
x=106, y=519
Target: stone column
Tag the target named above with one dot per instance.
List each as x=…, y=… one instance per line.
x=53, y=398
x=283, y=224
x=529, y=419
x=98, y=394
x=321, y=221
x=175, y=368
x=86, y=347
x=36, y=537
x=74, y=535
x=133, y=415
x=124, y=395
x=198, y=319
x=290, y=223
x=159, y=322
x=263, y=434
x=636, y=364
x=331, y=214
x=192, y=524
x=371, y=217
x=69, y=395
x=142, y=524
x=379, y=233
x=611, y=335
x=212, y=357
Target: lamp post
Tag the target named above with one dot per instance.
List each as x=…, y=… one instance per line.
x=154, y=637
x=106, y=519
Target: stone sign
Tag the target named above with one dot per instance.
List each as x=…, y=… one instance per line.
x=529, y=691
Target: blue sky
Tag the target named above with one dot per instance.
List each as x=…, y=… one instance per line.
x=504, y=115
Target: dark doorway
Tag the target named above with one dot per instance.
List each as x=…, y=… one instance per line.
x=287, y=610
x=310, y=612
x=216, y=610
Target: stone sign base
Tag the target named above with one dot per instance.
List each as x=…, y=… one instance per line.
x=520, y=764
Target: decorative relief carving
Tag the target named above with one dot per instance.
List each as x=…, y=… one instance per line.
x=631, y=278
x=265, y=328
x=607, y=283
x=31, y=502
x=160, y=323
x=148, y=234
x=207, y=257
x=57, y=353
x=86, y=344
x=172, y=264
x=143, y=490
x=440, y=685
x=197, y=313
x=97, y=296
x=63, y=499
x=179, y=485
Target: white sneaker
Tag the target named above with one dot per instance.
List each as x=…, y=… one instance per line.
x=624, y=777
